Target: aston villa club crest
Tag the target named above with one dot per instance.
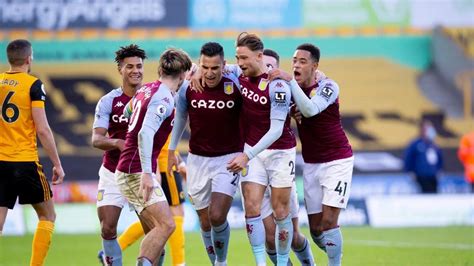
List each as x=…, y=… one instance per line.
x=245, y=171
x=100, y=195
x=228, y=88
x=262, y=85
x=312, y=93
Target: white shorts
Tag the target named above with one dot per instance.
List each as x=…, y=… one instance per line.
x=327, y=184
x=108, y=192
x=271, y=167
x=207, y=175
x=129, y=185
x=266, y=209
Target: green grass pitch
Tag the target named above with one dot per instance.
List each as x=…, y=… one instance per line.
x=362, y=246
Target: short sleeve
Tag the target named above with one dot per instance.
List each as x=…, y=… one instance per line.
x=37, y=94
x=102, y=112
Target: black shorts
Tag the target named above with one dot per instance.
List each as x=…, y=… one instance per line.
x=173, y=188
x=25, y=180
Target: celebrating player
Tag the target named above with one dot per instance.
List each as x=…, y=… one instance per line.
x=326, y=150
x=151, y=113
x=215, y=139
x=269, y=149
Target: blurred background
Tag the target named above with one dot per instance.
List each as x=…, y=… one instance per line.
x=397, y=62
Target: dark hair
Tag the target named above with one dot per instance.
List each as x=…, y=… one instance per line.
x=131, y=50
x=251, y=41
x=212, y=49
x=270, y=52
x=313, y=50
x=18, y=51
x=173, y=62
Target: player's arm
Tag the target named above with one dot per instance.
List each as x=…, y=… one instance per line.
x=45, y=135
x=327, y=93
x=100, y=140
x=180, y=119
x=280, y=104
x=157, y=111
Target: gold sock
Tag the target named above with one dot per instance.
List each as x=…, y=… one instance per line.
x=41, y=242
x=130, y=235
x=176, y=242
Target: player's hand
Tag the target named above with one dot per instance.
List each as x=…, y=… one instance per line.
x=120, y=144
x=279, y=74
x=197, y=84
x=182, y=171
x=146, y=186
x=58, y=175
x=295, y=113
x=172, y=162
x=238, y=163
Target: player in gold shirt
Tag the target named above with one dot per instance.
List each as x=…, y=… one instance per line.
x=23, y=117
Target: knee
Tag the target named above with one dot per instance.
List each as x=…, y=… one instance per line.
x=280, y=212
x=169, y=226
x=298, y=240
x=109, y=230
x=252, y=208
x=217, y=218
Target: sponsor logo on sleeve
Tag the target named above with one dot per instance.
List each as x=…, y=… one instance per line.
x=280, y=97
x=42, y=88
x=228, y=88
x=326, y=93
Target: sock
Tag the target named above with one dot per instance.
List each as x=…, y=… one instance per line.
x=283, y=238
x=176, y=241
x=304, y=254
x=207, y=239
x=113, y=253
x=318, y=240
x=161, y=259
x=143, y=261
x=41, y=242
x=256, y=235
x=130, y=235
x=220, y=237
x=272, y=254
x=333, y=242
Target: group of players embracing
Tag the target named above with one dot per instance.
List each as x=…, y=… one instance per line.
x=240, y=137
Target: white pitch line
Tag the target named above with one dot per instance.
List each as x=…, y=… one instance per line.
x=382, y=243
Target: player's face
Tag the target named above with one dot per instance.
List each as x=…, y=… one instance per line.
x=249, y=61
x=304, y=67
x=131, y=70
x=270, y=62
x=211, y=69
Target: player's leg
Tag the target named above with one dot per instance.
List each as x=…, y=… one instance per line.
x=159, y=219
x=44, y=231
x=108, y=217
x=336, y=184
x=280, y=167
x=253, y=194
x=220, y=229
x=35, y=190
x=173, y=190
x=224, y=185
x=270, y=226
x=3, y=217
x=300, y=245
x=199, y=191
x=130, y=235
x=109, y=206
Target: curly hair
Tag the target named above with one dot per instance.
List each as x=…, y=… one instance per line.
x=131, y=50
